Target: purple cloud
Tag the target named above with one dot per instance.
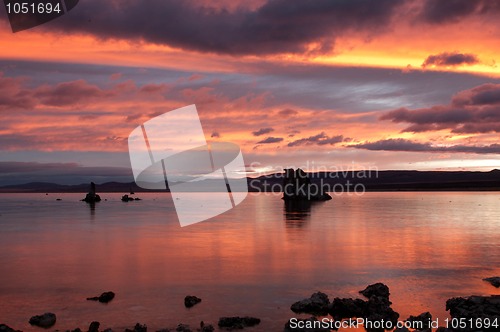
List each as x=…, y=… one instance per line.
x=476, y=110
x=262, y=131
x=450, y=60
x=400, y=144
x=319, y=139
x=271, y=140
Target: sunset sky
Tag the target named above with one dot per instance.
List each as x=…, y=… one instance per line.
x=411, y=84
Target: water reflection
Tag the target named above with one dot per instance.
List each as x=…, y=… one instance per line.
x=297, y=213
x=91, y=205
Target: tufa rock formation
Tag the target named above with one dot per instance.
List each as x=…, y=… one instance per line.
x=298, y=186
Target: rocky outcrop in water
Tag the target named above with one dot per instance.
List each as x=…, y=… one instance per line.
x=138, y=328
x=46, y=320
x=103, y=298
x=376, y=308
x=5, y=328
x=378, y=289
x=474, y=308
x=317, y=304
x=494, y=281
x=92, y=197
x=298, y=186
x=94, y=327
x=190, y=301
x=127, y=198
x=238, y=322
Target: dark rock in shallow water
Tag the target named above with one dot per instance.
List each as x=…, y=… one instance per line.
x=127, y=198
x=347, y=308
x=238, y=322
x=5, y=328
x=422, y=321
x=206, y=328
x=311, y=324
x=94, y=327
x=190, y=301
x=103, y=298
x=474, y=307
x=138, y=328
x=183, y=328
x=378, y=289
x=92, y=197
x=495, y=281
x=376, y=309
x=46, y=320
x=298, y=186
x=317, y=304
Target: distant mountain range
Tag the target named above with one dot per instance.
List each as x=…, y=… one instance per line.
x=374, y=181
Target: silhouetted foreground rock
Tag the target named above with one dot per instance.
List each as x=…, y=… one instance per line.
x=46, y=320
x=347, y=308
x=424, y=320
x=138, y=328
x=304, y=325
x=238, y=322
x=377, y=308
x=317, y=304
x=474, y=307
x=5, y=328
x=378, y=289
x=103, y=298
x=495, y=281
x=190, y=301
x=94, y=327
x=206, y=328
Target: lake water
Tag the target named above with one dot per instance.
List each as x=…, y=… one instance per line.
x=256, y=259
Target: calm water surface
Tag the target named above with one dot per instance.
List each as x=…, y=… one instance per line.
x=256, y=259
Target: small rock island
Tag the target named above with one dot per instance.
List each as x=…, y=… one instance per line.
x=298, y=186
x=92, y=197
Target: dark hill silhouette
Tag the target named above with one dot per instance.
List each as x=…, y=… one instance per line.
x=378, y=181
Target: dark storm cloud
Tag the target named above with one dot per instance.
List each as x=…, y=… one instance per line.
x=436, y=11
x=450, y=60
x=262, y=131
x=278, y=26
x=400, y=144
x=271, y=140
x=320, y=139
x=476, y=110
